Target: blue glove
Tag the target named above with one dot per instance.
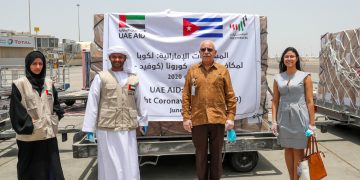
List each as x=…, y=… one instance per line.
x=90, y=137
x=231, y=136
x=143, y=130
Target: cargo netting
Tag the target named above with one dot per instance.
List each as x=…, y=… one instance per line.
x=339, y=74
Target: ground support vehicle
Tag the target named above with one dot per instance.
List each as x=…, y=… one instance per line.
x=334, y=115
x=70, y=97
x=243, y=153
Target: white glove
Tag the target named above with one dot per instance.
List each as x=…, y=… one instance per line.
x=312, y=127
x=274, y=129
x=187, y=125
x=229, y=124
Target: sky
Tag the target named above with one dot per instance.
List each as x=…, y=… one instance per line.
x=297, y=23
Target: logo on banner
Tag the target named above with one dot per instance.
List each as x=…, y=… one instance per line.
x=203, y=27
x=129, y=26
x=240, y=26
x=239, y=29
x=10, y=41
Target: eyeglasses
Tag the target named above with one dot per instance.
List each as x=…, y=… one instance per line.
x=208, y=49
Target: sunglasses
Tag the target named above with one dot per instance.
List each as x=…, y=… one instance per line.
x=208, y=49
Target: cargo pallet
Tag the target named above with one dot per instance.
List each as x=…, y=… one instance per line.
x=336, y=115
x=243, y=153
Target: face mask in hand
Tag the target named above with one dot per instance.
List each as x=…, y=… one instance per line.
x=231, y=136
x=309, y=133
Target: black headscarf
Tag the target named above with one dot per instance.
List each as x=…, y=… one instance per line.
x=36, y=80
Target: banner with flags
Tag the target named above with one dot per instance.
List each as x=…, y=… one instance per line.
x=163, y=45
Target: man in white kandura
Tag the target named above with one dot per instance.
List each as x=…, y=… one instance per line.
x=113, y=111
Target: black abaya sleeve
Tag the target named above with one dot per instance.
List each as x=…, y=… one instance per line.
x=57, y=108
x=21, y=121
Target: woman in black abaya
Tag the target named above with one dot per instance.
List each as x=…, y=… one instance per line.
x=34, y=113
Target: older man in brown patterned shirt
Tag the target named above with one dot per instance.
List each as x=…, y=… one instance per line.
x=208, y=108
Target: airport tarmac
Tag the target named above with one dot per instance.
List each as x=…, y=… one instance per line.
x=341, y=145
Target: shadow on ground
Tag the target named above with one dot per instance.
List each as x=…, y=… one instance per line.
x=345, y=132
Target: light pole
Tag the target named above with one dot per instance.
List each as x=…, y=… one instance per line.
x=29, y=18
x=78, y=8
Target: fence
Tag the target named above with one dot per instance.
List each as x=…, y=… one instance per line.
x=58, y=73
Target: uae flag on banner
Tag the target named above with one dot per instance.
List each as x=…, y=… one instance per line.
x=132, y=21
x=132, y=87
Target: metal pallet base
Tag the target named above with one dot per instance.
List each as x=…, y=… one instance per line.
x=162, y=147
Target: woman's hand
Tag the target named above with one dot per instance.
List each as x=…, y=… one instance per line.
x=274, y=129
x=310, y=131
x=143, y=130
x=90, y=137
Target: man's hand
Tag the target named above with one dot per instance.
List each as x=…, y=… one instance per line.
x=187, y=125
x=229, y=124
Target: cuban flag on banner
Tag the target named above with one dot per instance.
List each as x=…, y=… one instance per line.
x=203, y=27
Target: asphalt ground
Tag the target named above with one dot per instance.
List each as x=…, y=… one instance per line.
x=341, y=145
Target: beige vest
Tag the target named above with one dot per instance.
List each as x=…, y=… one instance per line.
x=117, y=106
x=40, y=108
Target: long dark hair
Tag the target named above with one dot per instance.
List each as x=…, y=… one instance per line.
x=282, y=66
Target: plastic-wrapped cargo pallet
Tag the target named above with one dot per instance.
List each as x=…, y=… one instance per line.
x=339, y=75
x=171, y=128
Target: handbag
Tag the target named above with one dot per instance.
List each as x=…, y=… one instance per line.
x=311, y=167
